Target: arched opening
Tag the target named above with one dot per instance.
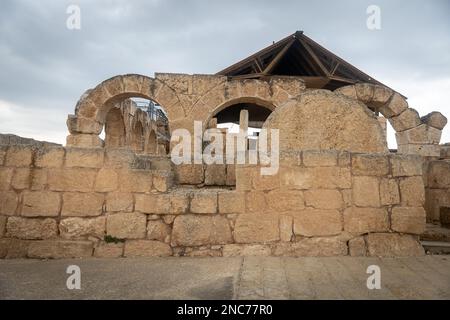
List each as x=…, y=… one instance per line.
x=137, y=137
x=115, y=136
x=245, y=115
x=151, y=143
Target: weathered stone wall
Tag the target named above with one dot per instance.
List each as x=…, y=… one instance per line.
x=77, y=202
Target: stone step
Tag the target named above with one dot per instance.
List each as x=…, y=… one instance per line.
x=435, y=232
x=436, y=247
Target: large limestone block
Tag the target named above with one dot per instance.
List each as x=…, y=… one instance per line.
x=135, y=180
x=312, y=247
x=316, y=177
x=19, y=156
x=189, y=173
x=231, y=202
x=179, y=202
x=364, y=220
x=84, y=158
x=422, y=134
x=194, y=230
x=366, y=191
x=406, y=165
x=119, y=201
x=108, y=250
x=14, y=248
x=77, y=204
x=412, y=192
x=204, y=202
x=322, y=120
x=320, y=158
x=256, y=202
x=41, y=204
x=317, y=222
x=127, y=225
x=73, y=228
x=83, y=125
x=393, y=245
x=408, y=219
x=8, y=203
x=435, y=119
x=153, y=203
x=357, y=247
x=72, y=179
x=50, y=157
x=233, y=250
x=107, y=180
x=6, y=175
x=84, y=140
x=370, y=165
x=146, y=248
x=439, y=174
x=215, y=175
x=389, y=192
x=57, y=249
x=284, y=200
x=406, y=120
x=324, y=199
x=256, y=228
x=158, y=230
x=24, y=228
x=396, y=105
x=21, y=179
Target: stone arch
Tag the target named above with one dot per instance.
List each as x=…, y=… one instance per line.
x=137, y=137
x=93, y=106
x=115, y=135
x=151, y=143
x=414, y=134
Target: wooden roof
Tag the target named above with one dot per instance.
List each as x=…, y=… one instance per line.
x=298, y=55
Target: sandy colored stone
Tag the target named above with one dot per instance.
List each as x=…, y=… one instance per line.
x=169, y=218
x=420, y=134
x=439, y=174
x=162, y=181
x=324, y=199
x=41, y=204
x=389, y=192
x=135, y=181
x=24, y=228
x=283, y=201
x=393, y=245
x=406, y=120
x=215, y=174
x=179, y=202
x=312, y=247
x=231, y=202
x=14, y=248
x=8, y=203
x=366, y=191
x=424, y=150
x=6, y=175
x=108, y=250
x=153, y=203
x=146, y=248
x=119, y=158
x=435, y=119
x=21, y=179
x=357, y=247
x=194, y=230
x=234, y=250
x=84, y=157
x=84, y=141
x=73, y=228
x=370, y=165
x=204, y=202
x=322, y=120
x=72, y=179
x=39, y=179
x=406, y=165
x=256, y=202
x=256, y=228
x=2, y=225
x=320, y=158
x=317, y=222
x=158, y=230
x=286, y=228
x=77, y=204
x=265, y=182
x=51, y=157
x=408, y=220
x=119, y=201
x=395, y=106
x=364, y=220
x=57, y=249
x=412, y=192
x=19, y=156
x=106, y=181
x=189, y=173
x=129, y=225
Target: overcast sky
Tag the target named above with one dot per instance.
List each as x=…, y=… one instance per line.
x=45, y=67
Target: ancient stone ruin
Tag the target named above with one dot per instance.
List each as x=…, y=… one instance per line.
x=339, y=190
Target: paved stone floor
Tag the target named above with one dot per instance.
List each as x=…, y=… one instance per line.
x=425, y=277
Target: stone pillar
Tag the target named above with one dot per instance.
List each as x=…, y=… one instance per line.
x=243, y=125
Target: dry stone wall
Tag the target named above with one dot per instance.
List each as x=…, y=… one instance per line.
x=81, y=202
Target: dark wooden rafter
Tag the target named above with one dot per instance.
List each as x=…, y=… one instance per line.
x=298, y=55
